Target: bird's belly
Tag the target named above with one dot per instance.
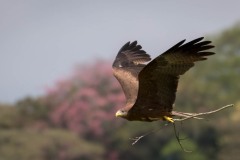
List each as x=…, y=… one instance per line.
x=150, y=116
x=146, y=119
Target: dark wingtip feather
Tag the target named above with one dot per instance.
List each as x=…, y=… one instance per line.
x=176, y=46
x=205, y=53
x=124, y=47
x=204, y=43
x=191, y=43
x=181, y=42
x=200, y=38
x=130, y=54
x=132, y=45
x=197, y=40
x=206, y=47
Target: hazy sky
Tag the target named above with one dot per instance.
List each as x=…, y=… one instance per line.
x=42, y=40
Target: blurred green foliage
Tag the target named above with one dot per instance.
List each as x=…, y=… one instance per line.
x=75, y=119
x=49, y=144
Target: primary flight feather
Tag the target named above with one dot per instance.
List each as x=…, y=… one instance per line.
x=150, y=89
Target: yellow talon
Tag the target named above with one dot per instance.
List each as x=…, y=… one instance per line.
x=169, y=119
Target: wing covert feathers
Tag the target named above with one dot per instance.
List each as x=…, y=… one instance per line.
x=126, y=67
x=159, y=79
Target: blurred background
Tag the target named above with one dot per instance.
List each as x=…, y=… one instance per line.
x=58, y=97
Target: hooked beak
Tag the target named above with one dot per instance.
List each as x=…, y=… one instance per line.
x=118, y=114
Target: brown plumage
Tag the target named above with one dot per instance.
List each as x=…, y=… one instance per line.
x=150, y=89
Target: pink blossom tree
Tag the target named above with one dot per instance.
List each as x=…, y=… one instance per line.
x=86, y=103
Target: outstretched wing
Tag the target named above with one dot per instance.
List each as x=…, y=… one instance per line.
x=126, y=67
x=159, y=79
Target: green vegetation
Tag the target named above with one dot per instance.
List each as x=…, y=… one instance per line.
x=75, y=119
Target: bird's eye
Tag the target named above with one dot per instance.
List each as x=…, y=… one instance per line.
x=123, y=112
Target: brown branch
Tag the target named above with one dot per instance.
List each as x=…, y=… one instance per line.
x=179, y=140
x=203, y=113
x=136, y=139
x=186, y=116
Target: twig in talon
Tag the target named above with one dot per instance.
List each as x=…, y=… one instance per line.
x=181, y=119
x=199, y=114
x=186, y=114
x=179, y=140
x=136, y=139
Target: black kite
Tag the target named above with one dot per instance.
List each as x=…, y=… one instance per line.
x=150, y=89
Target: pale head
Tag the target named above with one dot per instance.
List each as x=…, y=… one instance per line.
x=121, y=113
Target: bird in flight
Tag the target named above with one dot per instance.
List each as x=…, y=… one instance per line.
x=150, y=89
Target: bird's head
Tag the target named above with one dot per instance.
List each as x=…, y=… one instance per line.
x=121, y=113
